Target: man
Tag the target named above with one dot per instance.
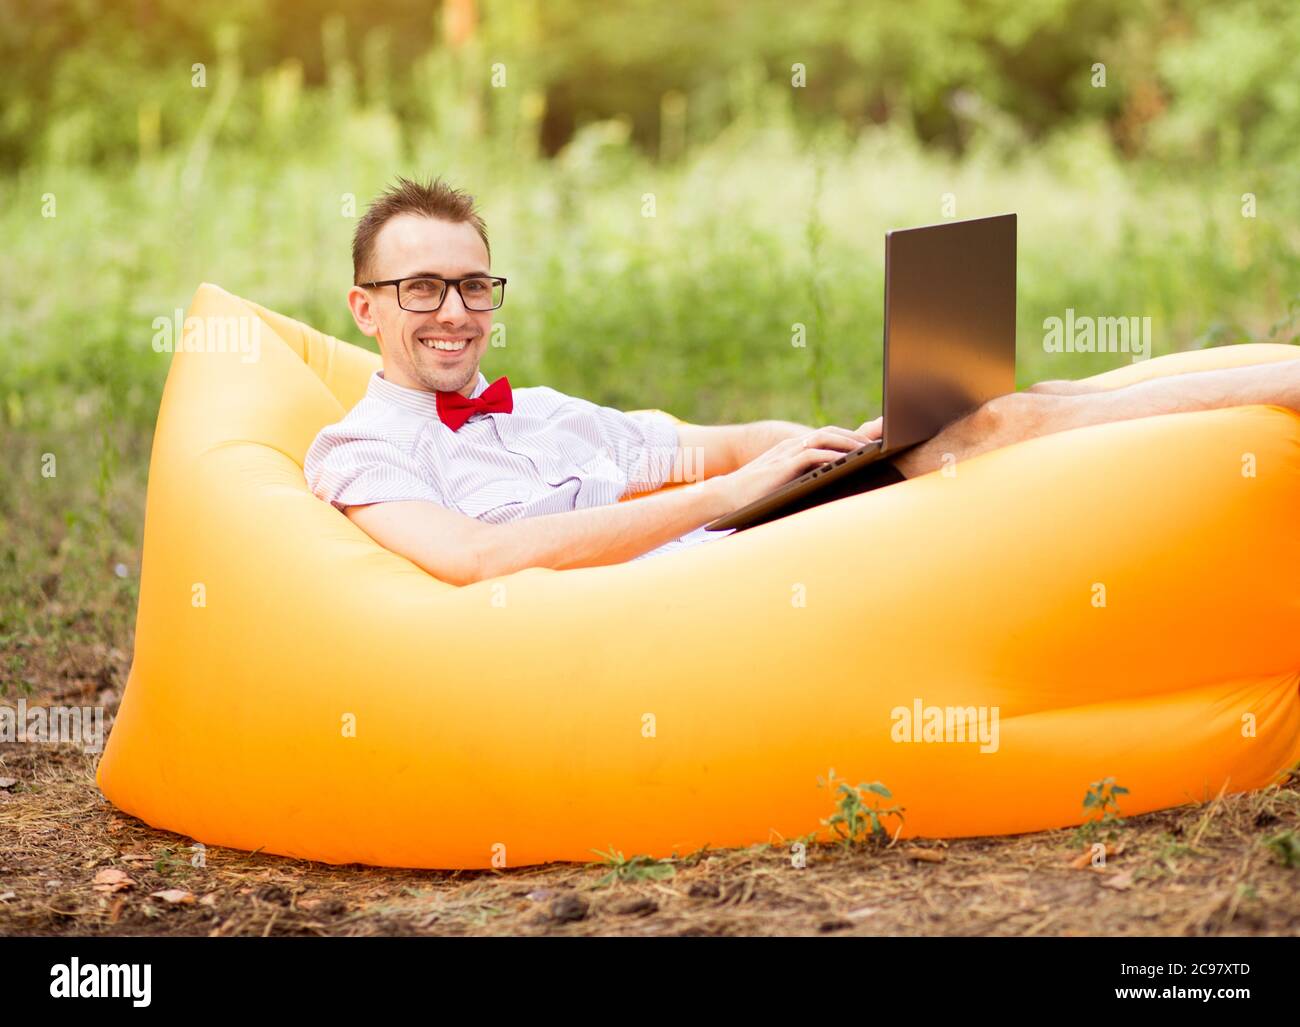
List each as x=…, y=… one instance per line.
x=472, y=481
x=528, y=478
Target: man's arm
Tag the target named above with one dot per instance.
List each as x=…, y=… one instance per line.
x=461, y=550
x=704, y=451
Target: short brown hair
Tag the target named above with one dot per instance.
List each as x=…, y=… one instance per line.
x=435, y=199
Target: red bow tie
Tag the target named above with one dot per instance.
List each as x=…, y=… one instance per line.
x=455, y=409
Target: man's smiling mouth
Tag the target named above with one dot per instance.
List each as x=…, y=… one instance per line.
x=445, y=344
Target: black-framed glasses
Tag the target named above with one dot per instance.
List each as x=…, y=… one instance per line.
x=425, y=294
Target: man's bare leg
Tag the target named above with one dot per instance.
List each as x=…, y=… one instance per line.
x=1059, y=406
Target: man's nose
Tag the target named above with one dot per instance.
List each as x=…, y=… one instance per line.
x=453, y=307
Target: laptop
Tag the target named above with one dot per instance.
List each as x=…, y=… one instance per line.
x=949, y=346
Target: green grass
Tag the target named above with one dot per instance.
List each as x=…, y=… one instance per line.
x=692, y=311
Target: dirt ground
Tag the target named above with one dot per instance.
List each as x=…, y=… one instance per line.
x=72, y=865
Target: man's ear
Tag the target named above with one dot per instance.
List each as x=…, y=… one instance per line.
x=362, y=312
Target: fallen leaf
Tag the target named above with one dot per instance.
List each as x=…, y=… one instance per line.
x=6, y=896
x=1121, y=881
x=1083, y=861
x=174, y=896
x=210, y=899
x=8, y=782
x=112, y=880
x=923, y=855
x=859, y=914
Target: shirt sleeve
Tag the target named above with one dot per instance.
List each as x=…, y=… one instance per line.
x=351, y=471
x=643, y=445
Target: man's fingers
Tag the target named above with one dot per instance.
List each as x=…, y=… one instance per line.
x=833, y=436
x=871, y=429
x=812, y=457
x=865, y=432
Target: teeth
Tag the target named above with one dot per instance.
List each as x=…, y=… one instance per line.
x=453, y=347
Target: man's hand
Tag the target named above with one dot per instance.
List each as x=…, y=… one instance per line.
x=761, y=436
x=708, y=451
x=789, y=458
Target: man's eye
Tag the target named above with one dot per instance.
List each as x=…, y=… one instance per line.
x=476, y=285
x=422, y=285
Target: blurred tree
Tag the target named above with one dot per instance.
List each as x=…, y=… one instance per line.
x=95, y=80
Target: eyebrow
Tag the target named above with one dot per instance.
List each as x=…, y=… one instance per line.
x=439, y=274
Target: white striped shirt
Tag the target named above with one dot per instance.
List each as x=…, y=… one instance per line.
x=550, y=454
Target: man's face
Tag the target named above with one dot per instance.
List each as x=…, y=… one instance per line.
x=407, y=246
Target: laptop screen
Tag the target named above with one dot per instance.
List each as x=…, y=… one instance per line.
x=950, y=323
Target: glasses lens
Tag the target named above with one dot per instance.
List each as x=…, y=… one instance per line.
x=481, y=293
x=421, y=293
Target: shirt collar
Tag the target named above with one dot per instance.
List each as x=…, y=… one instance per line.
x=418, y=401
